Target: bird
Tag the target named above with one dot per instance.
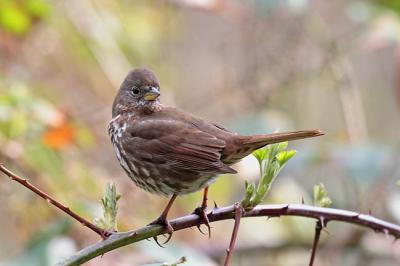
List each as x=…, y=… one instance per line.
x=170, y=152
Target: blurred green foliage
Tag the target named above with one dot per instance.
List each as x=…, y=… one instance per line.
x=390, y=4
x=17, y=17
x=38, y=138
x=36, y=131
x=182, y=260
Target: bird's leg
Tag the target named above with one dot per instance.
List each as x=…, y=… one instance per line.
x=162, y=220
x=201, y=212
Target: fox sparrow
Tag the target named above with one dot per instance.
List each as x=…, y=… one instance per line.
x=169, y=152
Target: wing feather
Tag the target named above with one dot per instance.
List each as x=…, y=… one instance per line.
x=177, y=145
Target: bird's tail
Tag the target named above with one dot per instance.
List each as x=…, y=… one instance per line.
x=255, y=142
x=258, y=141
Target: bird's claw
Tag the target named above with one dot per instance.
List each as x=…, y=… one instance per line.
x=201, y=212
x=200, y=230
x=104, y=234
x=165, y=242
x=168, y=227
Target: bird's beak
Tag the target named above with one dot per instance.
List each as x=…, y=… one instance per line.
x=152, y=94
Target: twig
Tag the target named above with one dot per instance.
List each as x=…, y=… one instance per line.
x=54, y=202
x=238, y=215
x=122, y=239
x=318, y=228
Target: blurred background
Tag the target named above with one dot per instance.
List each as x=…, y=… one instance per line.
x=254, y=66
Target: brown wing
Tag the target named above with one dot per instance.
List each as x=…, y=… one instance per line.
x=175, y=144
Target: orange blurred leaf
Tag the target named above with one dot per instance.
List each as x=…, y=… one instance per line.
x=59, y=137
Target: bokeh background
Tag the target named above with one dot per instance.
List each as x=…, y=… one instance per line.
x=254, y=66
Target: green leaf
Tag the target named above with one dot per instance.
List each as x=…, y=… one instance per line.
x=110, y=209
x=282, y=146
x=261, y=192
x=284, y=156
x=271, y=160
x=260, y=154
x=249, y=191
x=321, y=197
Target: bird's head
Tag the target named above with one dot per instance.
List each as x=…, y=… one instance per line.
x=140, y=90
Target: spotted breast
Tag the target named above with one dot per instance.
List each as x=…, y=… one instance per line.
x=157, y=170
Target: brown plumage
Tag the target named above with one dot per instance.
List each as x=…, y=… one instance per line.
x=167, y=151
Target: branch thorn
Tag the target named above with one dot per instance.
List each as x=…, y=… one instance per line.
x=215, y=205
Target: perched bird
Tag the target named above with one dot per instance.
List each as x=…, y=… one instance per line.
x=170, y=152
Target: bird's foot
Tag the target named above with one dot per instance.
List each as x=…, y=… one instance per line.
x=166, y=224
x=104, y=234
x=201, y=212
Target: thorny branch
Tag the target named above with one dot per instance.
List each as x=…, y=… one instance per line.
x=113, y=241
x=118, y=240
x=54, y=202
x=318, y=228
x=238, y=215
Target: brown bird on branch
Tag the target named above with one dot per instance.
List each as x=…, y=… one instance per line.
x=169, y=152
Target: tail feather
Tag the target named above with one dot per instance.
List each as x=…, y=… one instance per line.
x=266, y=139
x=255, y=142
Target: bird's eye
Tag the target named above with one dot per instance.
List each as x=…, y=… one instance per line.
x=135, y=91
